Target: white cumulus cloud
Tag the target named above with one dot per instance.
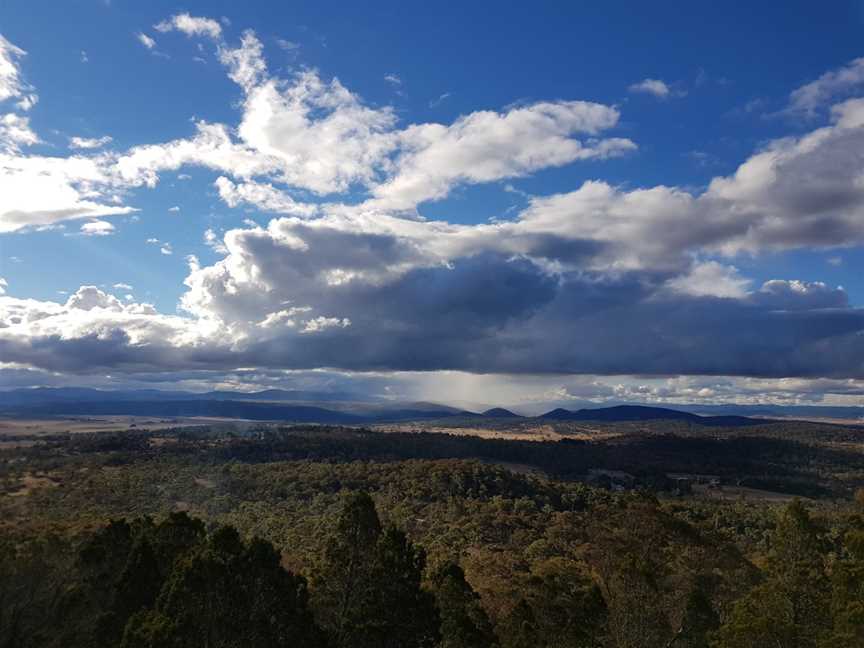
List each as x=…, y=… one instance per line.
x=145, y=40
x=191, y=26
x=811, y=97
x=15, y=132
x=88, y=143
x=655, y=87
x=97, y=228
x=12, y=85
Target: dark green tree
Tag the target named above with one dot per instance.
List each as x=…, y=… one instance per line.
x=343, y=587
x=367, y=586
x=34, y=574
x=847, y=600
x=225, y=594
x=568, y=606
x=173, y=537
x=636, y=616
x=122, y=569
x=407, y=615
x=464, y=623
x=790, y=609
x=139, y=584
x=519, y=628
x=93, y=603
x=700, y=619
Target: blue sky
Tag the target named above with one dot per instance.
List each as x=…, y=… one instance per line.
x=605, y=137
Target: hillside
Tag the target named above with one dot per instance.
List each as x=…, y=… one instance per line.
x=301, y=407
x=171, y=534
x=642, y=413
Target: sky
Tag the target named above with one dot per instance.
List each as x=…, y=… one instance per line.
x=495, y=203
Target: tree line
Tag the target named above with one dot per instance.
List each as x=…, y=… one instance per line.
x=177, y=581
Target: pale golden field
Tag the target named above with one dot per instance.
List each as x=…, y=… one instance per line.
x=85, y=424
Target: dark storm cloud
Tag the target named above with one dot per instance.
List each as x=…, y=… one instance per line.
x=600, y=280
x=486, y=313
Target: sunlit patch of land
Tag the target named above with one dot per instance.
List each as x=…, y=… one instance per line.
x=92, y=424
x=531, y=430
x=731, y=493
x=28, y=482
x=527, y=433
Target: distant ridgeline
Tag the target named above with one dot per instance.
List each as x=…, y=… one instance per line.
x=303, y=407
x=642, y=413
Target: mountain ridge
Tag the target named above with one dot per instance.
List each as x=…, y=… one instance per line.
x=306, y=406
x=623, y=413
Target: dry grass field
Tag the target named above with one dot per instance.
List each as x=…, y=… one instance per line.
x=89, y=424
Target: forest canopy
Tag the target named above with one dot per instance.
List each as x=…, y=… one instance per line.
x=186, y=541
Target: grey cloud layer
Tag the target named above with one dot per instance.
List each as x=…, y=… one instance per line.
x=599, y=280
x=481, y=313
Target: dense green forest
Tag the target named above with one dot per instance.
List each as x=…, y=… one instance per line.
x=337, y=537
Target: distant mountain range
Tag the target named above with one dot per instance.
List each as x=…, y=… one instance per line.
x=269, y=405
x=848, y=412
x=643, y=413
x=248, y=410
x=845, y=412
x=500, y=412
x=303, y=407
